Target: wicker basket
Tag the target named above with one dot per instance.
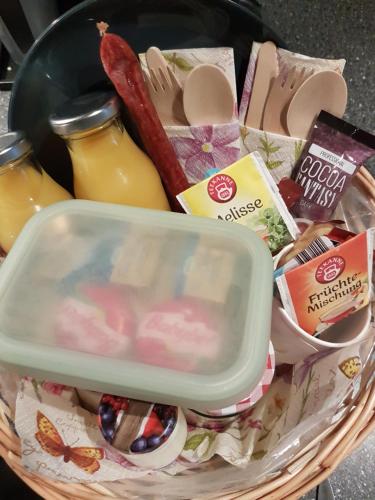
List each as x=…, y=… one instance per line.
x=309, y=468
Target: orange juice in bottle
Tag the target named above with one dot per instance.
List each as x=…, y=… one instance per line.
x=107, y=165
x=25, y=188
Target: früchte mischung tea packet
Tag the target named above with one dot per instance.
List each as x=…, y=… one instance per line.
x=245, y=193
x=330, y=287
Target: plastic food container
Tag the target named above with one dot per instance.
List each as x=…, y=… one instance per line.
x=139, y=303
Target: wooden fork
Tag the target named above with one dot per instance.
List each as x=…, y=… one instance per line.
x=166, y=94
x=281, y=92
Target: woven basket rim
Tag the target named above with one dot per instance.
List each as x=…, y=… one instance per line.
x=298, y=477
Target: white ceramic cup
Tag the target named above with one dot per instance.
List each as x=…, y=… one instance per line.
x=292, y=344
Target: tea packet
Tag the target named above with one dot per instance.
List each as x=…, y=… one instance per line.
x=330, y=287
x=245, y=193
x=335, y=151
x=317, y=247
x=312, y=232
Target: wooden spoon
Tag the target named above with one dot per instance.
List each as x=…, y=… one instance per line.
x=326, y=91
x=208, y=96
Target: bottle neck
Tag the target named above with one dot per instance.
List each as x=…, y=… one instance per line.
x=25, y=161
x=20, y=181
x=106, y=136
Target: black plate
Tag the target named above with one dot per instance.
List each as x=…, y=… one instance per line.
x=65, y=62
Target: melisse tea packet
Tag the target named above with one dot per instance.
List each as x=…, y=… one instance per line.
x=245, y=193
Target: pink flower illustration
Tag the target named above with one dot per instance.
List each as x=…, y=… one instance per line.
x=208, y=148
x=254, y=424
x=53, y=388
x=244, y=415
x=250, y=423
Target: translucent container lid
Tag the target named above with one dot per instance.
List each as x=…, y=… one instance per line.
x=150, y=305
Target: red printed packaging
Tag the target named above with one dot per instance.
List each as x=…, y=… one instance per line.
x=330, y=287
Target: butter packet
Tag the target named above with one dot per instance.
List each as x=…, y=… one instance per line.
x=137, y=260
x=208, y=273
x=330, y=287
x=245, y=193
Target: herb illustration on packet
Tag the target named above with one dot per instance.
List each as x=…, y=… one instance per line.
x=244, y=193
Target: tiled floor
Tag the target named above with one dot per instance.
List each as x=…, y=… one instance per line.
x=4, y=102
x=345, y=30
x=354, y=479
x=333, y=29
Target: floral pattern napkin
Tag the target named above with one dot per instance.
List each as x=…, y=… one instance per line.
x=205, y=149
x=61, y=440
x=313, y=387
x=279, y=152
